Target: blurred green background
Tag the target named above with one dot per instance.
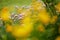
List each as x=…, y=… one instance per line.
x=14, y=2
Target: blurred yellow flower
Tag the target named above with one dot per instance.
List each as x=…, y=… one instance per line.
x=41, y=28
x=24, y=29
x=58, y=7
x=58, y=38
x=8, y=28
x=36, y=5
x=44, y=16
x=53, y=19
x=5, y=13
